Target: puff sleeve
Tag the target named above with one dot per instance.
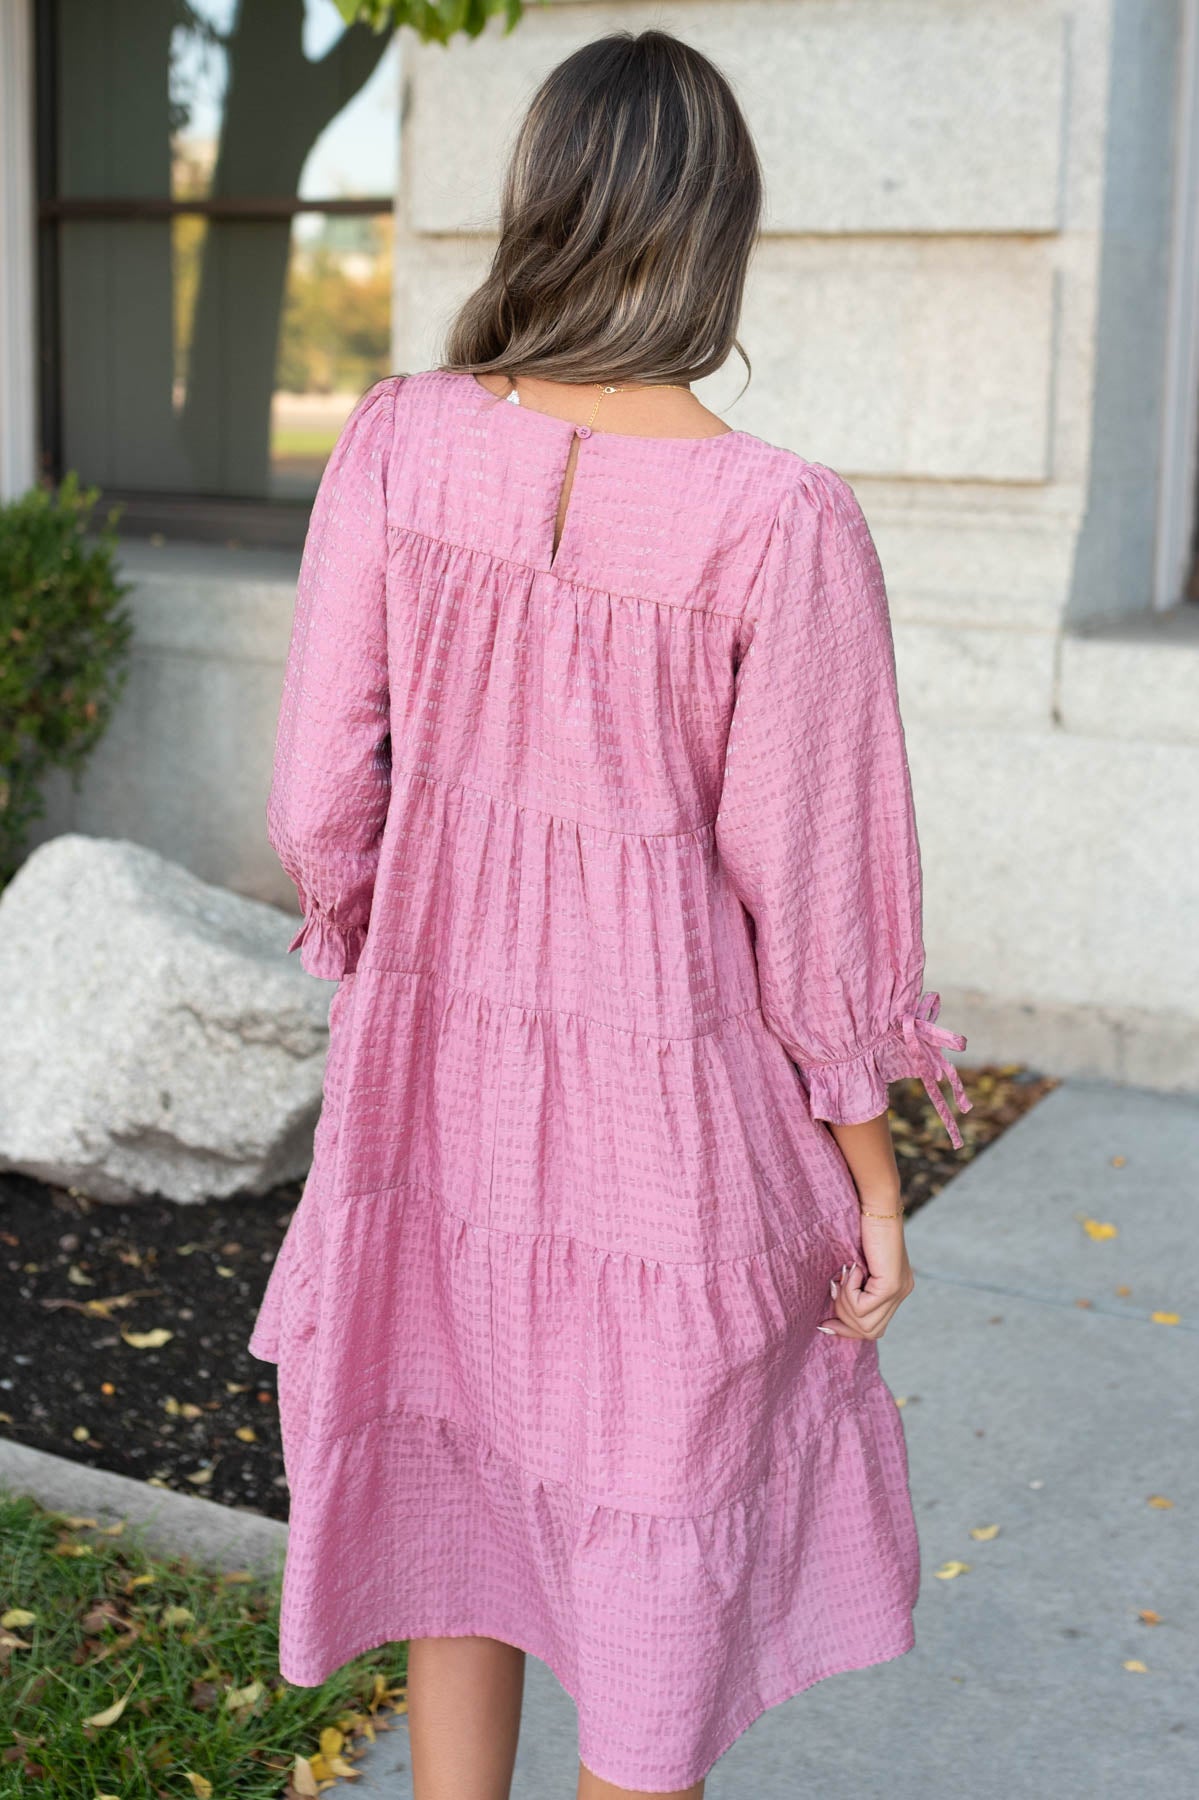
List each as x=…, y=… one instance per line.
x=331, y=781
x=815, y=825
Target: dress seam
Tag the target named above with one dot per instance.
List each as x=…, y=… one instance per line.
x=841, y=1062
x=857, y=1403
x=467, y=787
x=562, y=1012
x=511, y=562
x=827, y=1222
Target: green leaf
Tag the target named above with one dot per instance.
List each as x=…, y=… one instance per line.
x=434, y=21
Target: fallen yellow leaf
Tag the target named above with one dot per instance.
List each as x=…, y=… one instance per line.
x=10, y=1641
x=74, y=1521
x=949, y=1570
x=112, y=1713
x=1118, y=1162
x=201, y=1786
x=238, y=1575
x=17, y=1615
x=244, y=1696
x=340, y=1767
x=331, y=1741
x=1147, y=1616
x=319, y=1767
x=104, y=1309
x=247, y=1434
x=199, y=1477
x=1123, y=1290
x=1165, y=1318
x=80, y=1433
x=984, y=1533
x=77, y=1278
x=148, y=1340
x=1135, y=1667
x=113, y=1530
x=1160, y=1501
x=176, y=1615
x=1097, y=1230
x=302, y=1778
x=136, y=1581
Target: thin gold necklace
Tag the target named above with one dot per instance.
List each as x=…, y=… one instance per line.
x=610, y=388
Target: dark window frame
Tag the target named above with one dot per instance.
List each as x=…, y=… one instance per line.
x=195, y=517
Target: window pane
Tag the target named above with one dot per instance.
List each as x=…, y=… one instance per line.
x=217, y=356
x=148, y=106
x=334, y=343
x=178, y=379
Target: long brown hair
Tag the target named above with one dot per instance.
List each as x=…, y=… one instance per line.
x=630, y=207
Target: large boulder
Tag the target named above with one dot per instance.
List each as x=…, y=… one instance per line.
x=155, y=1038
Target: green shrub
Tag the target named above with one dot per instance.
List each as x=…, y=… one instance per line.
x=64, y=641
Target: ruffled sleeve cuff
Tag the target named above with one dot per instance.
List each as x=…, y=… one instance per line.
x=854, y=1090
x=327, y=950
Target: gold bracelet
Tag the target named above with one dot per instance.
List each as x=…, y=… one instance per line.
x=874, y=1215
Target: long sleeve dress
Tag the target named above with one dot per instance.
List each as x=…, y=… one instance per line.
x=611, y=851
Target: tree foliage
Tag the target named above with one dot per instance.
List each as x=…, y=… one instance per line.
x=436, y=21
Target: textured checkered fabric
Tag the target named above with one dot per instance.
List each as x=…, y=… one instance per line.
x=611, y=850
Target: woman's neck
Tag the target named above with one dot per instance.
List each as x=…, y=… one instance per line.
x=638, y=409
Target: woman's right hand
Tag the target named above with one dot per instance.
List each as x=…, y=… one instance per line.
x=864, y=1301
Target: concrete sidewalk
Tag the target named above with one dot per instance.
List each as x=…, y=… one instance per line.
x=1055, y=1421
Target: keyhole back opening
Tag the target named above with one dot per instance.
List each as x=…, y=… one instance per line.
x=564, y=493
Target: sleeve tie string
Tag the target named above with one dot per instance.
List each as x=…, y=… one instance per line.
x=926, y=1044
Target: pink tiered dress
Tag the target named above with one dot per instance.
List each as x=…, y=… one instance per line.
x=611, y=851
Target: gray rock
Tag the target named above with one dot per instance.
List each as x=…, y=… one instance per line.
x=155, y=1038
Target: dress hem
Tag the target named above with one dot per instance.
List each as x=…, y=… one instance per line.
x=615, y=1776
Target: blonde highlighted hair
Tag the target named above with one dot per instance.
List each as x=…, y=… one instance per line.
x=631, y=203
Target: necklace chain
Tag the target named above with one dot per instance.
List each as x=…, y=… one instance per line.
x=610, y=387
x=606, y=387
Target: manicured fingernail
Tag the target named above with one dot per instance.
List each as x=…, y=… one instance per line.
x=827, y=1330
x=832, y=1288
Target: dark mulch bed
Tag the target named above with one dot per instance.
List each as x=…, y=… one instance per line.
x=197, y=1412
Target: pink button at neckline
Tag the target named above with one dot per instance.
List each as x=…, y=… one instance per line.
x=582, y=431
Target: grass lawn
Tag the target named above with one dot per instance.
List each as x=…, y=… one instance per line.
x=126, y=1674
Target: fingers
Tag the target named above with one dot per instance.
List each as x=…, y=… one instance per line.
x=863, y=1306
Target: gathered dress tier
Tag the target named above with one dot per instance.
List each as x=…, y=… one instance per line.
x=611, y=851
